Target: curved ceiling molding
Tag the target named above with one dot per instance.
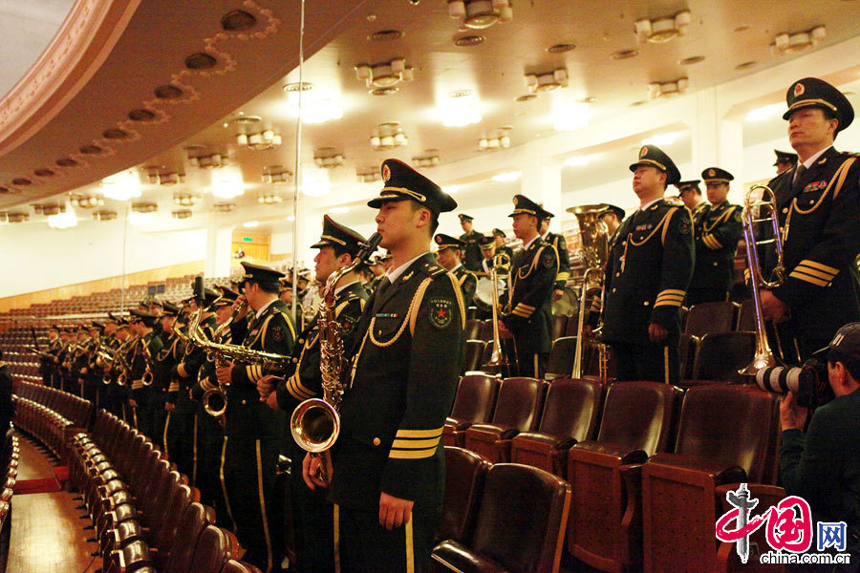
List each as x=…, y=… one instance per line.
x=79, y=48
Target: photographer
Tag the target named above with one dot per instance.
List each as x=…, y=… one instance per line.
x=822, y=465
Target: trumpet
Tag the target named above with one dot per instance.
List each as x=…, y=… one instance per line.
x=763, y=211
x=501, y=264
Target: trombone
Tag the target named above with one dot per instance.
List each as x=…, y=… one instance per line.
x=501, y=264
x=762, y=211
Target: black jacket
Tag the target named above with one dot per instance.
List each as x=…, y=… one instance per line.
x=534, y=273
x=718, y=230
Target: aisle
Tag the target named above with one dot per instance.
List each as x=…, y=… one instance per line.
x=47, y=534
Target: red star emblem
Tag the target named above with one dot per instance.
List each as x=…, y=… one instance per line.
x=441, y=313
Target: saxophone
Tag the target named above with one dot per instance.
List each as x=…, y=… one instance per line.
x=315, y=423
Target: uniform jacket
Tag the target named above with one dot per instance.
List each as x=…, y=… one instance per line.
x=534, y=273
x=560, y=245
x=819, y=218
x=247, y=417
x=468, y=283
x=472, y=258
x=408, y=354
x=138, y=363
x=718, y=230
x=647, y=274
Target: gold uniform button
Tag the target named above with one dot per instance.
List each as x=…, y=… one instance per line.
x=301, y=340
x=785, y=209
x=646, y=303
x=715, y=263
x=376, y=441
x=617, y=274
x=613, y=289
x=244, y=402
x=295, y=360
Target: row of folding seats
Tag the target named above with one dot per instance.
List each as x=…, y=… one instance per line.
x=625, y=453
x=50, y=415
x=145, y=516
x=9, y=454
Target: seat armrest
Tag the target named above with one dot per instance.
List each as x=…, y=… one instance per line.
x=452, y=556
x=721, y=473
x=625, y=454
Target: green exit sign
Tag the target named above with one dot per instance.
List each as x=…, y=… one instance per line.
x=247, y=239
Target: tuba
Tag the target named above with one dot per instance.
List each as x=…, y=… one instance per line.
x=315, y=423
x=501, y=264
x=762, y=211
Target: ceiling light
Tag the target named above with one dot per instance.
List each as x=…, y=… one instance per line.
x=468, y=41
x=502, y=140
x=384, y=74
x=388, y=135
x=139, y=219
x=206, y=161
x=85, y=201
x=104, y=215
x=624, y=54
x=62, y=220
x=269, y=199
x=459, y=109
x=339, y=210
x=569, y=117
x=261, y=140
x=224, y=207
x=429, y=159
x=315, y=182
x=182, y=214
x=328, y=157
x=661, y=139
x=668, y=89
x=766, y=112
x=13, y=217
x=276, y=174
x=367, y=174
x=251, y=224
x=785, y=44
x=578, y=161
x=321, y=106
x=186, y=199
x=227, y=183
x=480, y=14
x=121, y=186
x=661, y=30
x=506, y=177
x=547, y=81
x=291, y=218
x=168, y=178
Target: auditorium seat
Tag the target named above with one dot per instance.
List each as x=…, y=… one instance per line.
x=726, y=434
x=708, y=317
x=181, y=552
x=486, y=332
x=727, y=555
x=605, y=529
x=559, y=325
x=570, y=414
x=746, y=316
x=520, y=525
x=474, y=355
x=722, y=354
x=560, y=362
x=473, y=404
x=687, y=348
x=233, y=566
x=473, y=328
x=517, y=410
x=465, y=473
x=214, y=549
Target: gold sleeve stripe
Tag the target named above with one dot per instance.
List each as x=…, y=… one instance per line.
x=411, y=454
x=797, y=274
x=521, y=313
x=137, y=384
x=416, y=444
x=667, y=303
x=823, y=269
x=174, y=387
x=297, y=390
x=670, y=298
x=419, y=433
x=814, y=273
x=526, y=306
x=673, y=291
x=180, y=368
x=206, y=385
x=563, y=276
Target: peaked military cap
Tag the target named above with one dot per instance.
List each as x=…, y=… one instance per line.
x=523, y=204
x=171, y=309
x=156, y=301
x=655, y=157
x=813, y=92
x=448, y=242
x=146, y=318
x=784, y=157
x=228, y=297
x=499, y=233
x=402, y=182
x=716, y=175
x=336, y=235
x=487, y=242
x=210, y=296
x=259, y=273
x=465, y=217
x=374, y=260
x=691, y=185
x=619, y=212
x=97, y=326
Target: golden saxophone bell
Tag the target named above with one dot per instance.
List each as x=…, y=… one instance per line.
x=315, y=425
x=121, y=379
x=147, y=378
x=215, y=402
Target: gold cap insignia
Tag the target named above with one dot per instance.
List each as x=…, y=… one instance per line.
x=438, y=239
x=799, y=89
x=516, y=201
x=711, y=173
x=643, y=152
x=386, y=173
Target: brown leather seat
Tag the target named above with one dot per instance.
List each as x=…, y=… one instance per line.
x=194, y=519
x=520, y=526
x=465, y=473
x=708, y=317
x=570, y=414
x=473, y=328
x=233, y=566
x=560, y=362
x=486, y=332
x=214, y=549
x=722, y=354
x=474, y=355
x=559, y=324
x=605, y=522
x=474, y=403
x=165, y=535
x=517, y=410
x=688, y=347
x=726, y=434
x=746, y=316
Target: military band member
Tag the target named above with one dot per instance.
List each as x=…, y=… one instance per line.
x=387, y=261
x=117, y=396
x=784, y=161
x=647, y=275
x=691, y=195
x=47, y=364
x=286, y=295
x=388, y=469
x=818, y=204
x=612, y=218
x=80, y=363
x=499, y=238
x=252, y=434
x=67, y=382
x=560, y=245
x=448, y=253
x=148, y=346
x=376, y=267
x=312, y=511
x=471, y=238
x=718, y=229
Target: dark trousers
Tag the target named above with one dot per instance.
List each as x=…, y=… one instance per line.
x=207, y=444
x=178, y=440
x=257, y=511
x=654, y=362
x=531, y=364
x=698, y=295
x=367, y=547
x=312, y=513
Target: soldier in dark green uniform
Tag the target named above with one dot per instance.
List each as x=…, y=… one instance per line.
x=312, y=511
x=253, y=432
x=471, y=238
x=534, y=271
x=377, y=267
x=718, y=229
x=691, y=195
x=286, y=295
x=388, y=469
x=147, y=347
x=784, y=161
x=117, y=396
x=818, y=205
x=47, y=363
x=560, y=245
x=448, y=253
x=499, y=238
x=647, y=275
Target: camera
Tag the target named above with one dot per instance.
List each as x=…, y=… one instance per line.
x=808, y=382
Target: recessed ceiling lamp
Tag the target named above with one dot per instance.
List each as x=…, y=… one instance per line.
x=85, y=201
x=506, y=177
x=182, y=213
x=13, y=217
x=624, y=54
x=548, y=81
x=668, y=89
x=328, y=157
x=121, y=186
x=227, y=183
x=459, y=109
x=502, y=140
x=186, y=199
x=367, y=174
x=388, y=135
x=168, y=178
x=62, y=220
x=429, y=159
x=224, y=207
x=276, y=174
x=764, y=113
x=786, y=44
x=570, y=116
x=385, y=74
x=661, y=30
x=385, y=36
x=746, y=65
x=269, y=198
x=561, y=48
x=208, y=161
x=261, y=140
x=480, y=14
x=147, y=207
x=104, y=215
x=691, y=60
x=468, y=41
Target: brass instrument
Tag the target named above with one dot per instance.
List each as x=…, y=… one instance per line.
x=580, y=329
x=594, y=235
x=215, y=400
x=755, y=211
x=315, y=423
x=148, y=377
x=501, y=264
